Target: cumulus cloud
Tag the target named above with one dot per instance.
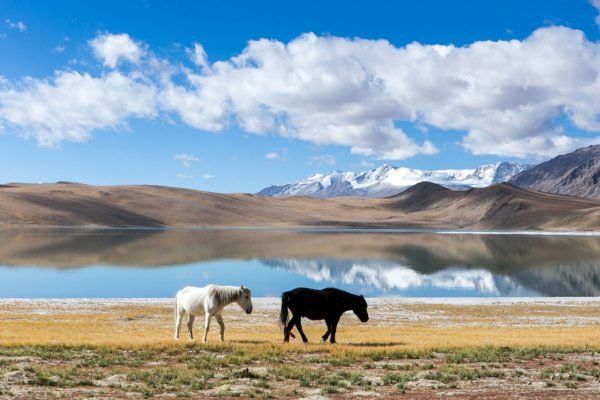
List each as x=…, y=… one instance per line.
x=112, y=48
x=505, y=95
x=18, y=25
x=71, y=105
x=507, y=98
x=186, y=160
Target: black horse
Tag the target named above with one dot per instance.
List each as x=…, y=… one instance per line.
x=328, y=304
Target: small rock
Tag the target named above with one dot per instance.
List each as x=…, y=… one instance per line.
x=229, y=389
x=364, y=393
x=374, y=380
x=15, y=377
x=113, y=380
x=422, y=383
x=259, y=371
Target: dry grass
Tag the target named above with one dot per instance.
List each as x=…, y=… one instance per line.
x=443, y=326
x=117, y=351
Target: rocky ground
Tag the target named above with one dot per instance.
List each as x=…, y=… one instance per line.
x=409, y=349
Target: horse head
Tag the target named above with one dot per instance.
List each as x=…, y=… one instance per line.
x=245, y=300
x=360, y=309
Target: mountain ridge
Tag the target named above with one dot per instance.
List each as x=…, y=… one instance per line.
x=387, y=180
x=574, y=174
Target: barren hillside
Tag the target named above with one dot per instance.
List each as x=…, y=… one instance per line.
x=500, y=206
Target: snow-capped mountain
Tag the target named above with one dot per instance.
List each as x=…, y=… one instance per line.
x=388, y=180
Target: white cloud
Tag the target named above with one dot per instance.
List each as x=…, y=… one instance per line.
x=183, y=176
x=186, y=160
x=596, y=4
x=508, y=98
x=198, y=55
x=325, y=159
x=112, y=48
x=59, y=49
x=273, y=156
x=328, y=90
x=207, y=177
x=71, y=105
x=18, y=25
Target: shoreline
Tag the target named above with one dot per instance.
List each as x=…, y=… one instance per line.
x=313, y=229
x=271, y=301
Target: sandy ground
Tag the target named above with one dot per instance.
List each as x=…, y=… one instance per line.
x=410, y=348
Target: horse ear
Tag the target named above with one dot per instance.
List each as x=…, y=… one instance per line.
x=362, y=296
x=242, y=287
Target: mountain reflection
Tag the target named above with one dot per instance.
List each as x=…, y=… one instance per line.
x=385, y=262
x=390, y=276
x=555, y=281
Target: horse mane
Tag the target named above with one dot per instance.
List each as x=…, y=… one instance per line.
x=225, y=294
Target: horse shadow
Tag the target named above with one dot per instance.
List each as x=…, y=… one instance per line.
x=376, y=344
x=243, y=341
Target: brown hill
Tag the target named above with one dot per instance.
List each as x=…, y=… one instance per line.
x=429, y=205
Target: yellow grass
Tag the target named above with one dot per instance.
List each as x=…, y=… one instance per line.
x=110, y=350
x=446, y=327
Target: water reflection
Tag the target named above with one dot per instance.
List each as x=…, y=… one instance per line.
x=411, y=264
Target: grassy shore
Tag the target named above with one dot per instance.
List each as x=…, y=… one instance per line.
x=110, y=349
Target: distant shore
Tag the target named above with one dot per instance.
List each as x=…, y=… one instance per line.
x=500, y=207
x=333, y=229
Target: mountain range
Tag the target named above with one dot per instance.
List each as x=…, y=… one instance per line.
x=573, y=174
x=388, y=180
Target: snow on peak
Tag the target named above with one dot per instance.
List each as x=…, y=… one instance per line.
x=387, y=180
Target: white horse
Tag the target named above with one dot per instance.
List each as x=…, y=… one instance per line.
x=208, y=301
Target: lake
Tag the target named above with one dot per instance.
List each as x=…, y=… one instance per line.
x=156, y=263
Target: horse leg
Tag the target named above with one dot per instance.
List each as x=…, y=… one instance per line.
x=299, y=327
x=178, y=319
x=326, y=335
x=221, y=325
x=334, y=324
x=287, y=329
x=206, y=326
x=190, y=325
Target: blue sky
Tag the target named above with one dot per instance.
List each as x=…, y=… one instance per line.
x=107, y=92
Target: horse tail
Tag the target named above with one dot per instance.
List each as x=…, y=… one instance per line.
x=283, y=314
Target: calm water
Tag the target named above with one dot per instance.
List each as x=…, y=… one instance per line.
x=415, y=264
